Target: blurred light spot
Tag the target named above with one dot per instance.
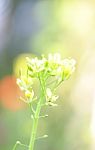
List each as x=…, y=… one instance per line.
x=20, y=63
x=10, y=93
x=78, y=16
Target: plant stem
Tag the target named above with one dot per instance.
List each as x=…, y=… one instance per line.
x=35, y=124
x=14, y=148
x=36, y=118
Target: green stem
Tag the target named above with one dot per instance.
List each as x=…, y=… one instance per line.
x=36, y=118
x=14, y=148
x=34, y=128
x=19, y=143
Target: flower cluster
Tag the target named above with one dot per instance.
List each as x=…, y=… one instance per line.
x=45, y=68
x=51, y=66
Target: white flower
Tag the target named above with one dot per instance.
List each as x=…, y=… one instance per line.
x=56, y=58
x=29, y=94
x=50, y=98
x=18, y=81
x=48, y=93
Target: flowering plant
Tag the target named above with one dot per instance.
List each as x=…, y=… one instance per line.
x=50, y=72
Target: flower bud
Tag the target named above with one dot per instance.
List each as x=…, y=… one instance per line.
x=29, y=94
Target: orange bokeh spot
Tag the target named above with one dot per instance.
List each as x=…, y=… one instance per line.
x=10, y=93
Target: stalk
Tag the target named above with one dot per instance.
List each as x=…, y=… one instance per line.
x=35, y=124
x=36, y=118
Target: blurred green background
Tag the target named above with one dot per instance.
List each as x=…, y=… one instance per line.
x=35, y=27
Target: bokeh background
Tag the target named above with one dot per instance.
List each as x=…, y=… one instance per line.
x=35, y=27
